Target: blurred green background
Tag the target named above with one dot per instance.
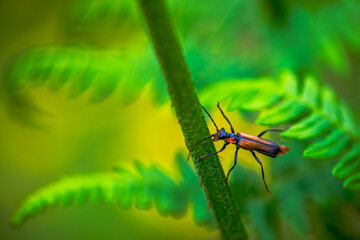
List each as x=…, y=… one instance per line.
x=81, y=92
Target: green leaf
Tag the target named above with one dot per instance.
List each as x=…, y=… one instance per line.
x=95, y=12
x=243, y=98
x=286, y=111
x=263, y=99
x=349, y=164
x=353, y=182
x=308, y=127
x=85, y=68
x=234, y=89
x=329, y=147
x=329, y=103
x=146, y=187
x=201, y=213
x=347, y=118
x=102, y=73
x=289, y=82
x=310, y=92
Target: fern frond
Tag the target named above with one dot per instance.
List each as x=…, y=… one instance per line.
x=313, y=112
x=296, y=200
x=348, y=165
x=144, y=188
x=336, y=27
x=84, y=70
x=97, y=12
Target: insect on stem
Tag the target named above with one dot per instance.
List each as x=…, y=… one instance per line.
x=246, y=142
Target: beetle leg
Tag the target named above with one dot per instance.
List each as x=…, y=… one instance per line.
x=262, y=169
x=213, y=140
x=235, y=162
x=270, y=130
x=222, y=149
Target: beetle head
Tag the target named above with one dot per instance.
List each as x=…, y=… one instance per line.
x=221, y=134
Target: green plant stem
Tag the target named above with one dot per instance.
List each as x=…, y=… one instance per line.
x=189, y=113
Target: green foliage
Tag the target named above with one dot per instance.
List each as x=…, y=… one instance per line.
x=150, y=187
x=299, y=197
x=313, y=113
x=147, y=187
x=259, y=31
x=95, y=12
x=219, y=44
x=85, y=70
x=202, y=45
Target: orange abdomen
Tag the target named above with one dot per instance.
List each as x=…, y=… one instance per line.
x=264, y=146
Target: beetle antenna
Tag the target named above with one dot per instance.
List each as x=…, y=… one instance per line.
x=232, y=129
x=210, y=118
x=206, y=138
x=201, y=140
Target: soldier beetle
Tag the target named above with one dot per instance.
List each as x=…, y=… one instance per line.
x=247, y=142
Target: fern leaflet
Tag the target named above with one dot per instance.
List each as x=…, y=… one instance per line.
x=146, y=187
